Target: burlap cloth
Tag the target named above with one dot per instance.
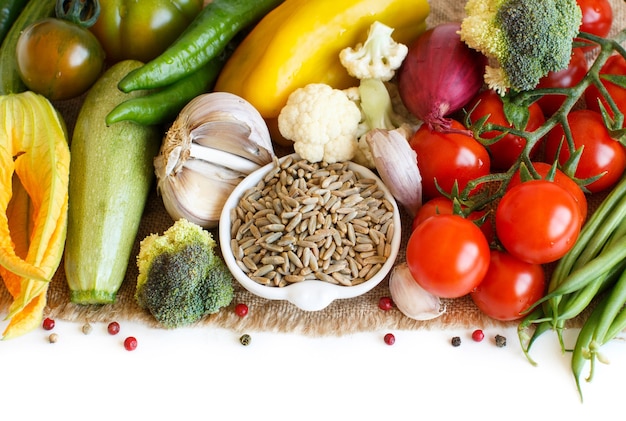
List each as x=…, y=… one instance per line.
x=341, y=317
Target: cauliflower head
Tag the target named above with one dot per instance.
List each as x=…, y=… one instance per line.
x=322, y=122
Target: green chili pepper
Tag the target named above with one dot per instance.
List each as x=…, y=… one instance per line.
x=203, y=40
x=9, y=11
x=163, y=106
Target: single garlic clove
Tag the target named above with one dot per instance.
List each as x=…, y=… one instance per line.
x=410, y=298
x=396, y=164
x=233, y=137
x=224, y=106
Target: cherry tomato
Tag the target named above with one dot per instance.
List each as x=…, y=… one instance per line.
x=509, y=287
x=443, y=205
x=566, y=78
x=58, y=59
x=561, y=179
x=142, y=29
x=506, y=150
x=601, y=154
x=447, y=157
x=447, y=255
x=597, y=17
x=538, y=221
x=615, y=65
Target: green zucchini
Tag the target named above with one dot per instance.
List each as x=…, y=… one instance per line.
x=111, y=175
x=10, y=81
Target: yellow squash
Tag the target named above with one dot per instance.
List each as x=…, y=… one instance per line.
x=299, y=43
x=34, y=176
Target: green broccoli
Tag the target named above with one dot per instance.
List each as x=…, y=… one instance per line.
x=181, y=279
x=526, y=38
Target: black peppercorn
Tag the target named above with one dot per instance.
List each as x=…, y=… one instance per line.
x=245, y=339
x=456, y=341
x=500, y=341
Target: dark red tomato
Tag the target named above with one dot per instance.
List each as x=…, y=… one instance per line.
x=601, y=154
x=447, y=157
x=443, y=205
x=505, y=151
x=538, y=221
x=566, y=78
x=58, y=59
x=561, y=179
x=597, y=17
x=615, y=65
x=447, y=255
x=509, y=288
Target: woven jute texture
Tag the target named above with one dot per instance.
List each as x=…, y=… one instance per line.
x=340, y=318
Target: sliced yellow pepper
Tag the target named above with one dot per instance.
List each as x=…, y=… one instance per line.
x=299, y=42
x=34, y=175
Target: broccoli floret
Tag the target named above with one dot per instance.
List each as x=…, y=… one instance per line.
x=181, y=279
x=219, y=285
x=526, y=38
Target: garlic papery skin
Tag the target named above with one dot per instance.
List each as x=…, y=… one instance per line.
x=396, y=163
x=410, y=298
x=215, y=142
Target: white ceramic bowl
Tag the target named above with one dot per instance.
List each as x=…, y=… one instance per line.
x=308, y=295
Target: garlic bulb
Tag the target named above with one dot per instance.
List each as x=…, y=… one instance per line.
x=217, y=139
x=396, y=164
x=410, y=298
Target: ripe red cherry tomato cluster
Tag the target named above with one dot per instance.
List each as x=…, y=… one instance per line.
x=534, y=222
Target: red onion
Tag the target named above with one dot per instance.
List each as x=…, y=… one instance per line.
x=440, y=75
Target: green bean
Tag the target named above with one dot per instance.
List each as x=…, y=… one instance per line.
x=583, y=276
x=615, y=303
x=541, y=326
x=617, y=326
x=206, y=36
x=575, y=303
x=582, y=349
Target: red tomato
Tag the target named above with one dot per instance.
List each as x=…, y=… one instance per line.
x=601, y=154
x=597, y=17
x=615, y=65
x=434, y=206
x=566, y=78
x=443, y=205
x=509, y=287
x=505, y=151
x=447, y=157
x=447, y=255
x=561, y=179
x=538, y=221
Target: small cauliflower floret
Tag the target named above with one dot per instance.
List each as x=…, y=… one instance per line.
x=526, y=38
x=181, y=278
x=378, y=58
x=322, y=122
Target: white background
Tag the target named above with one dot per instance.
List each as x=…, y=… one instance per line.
x=203, y=372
